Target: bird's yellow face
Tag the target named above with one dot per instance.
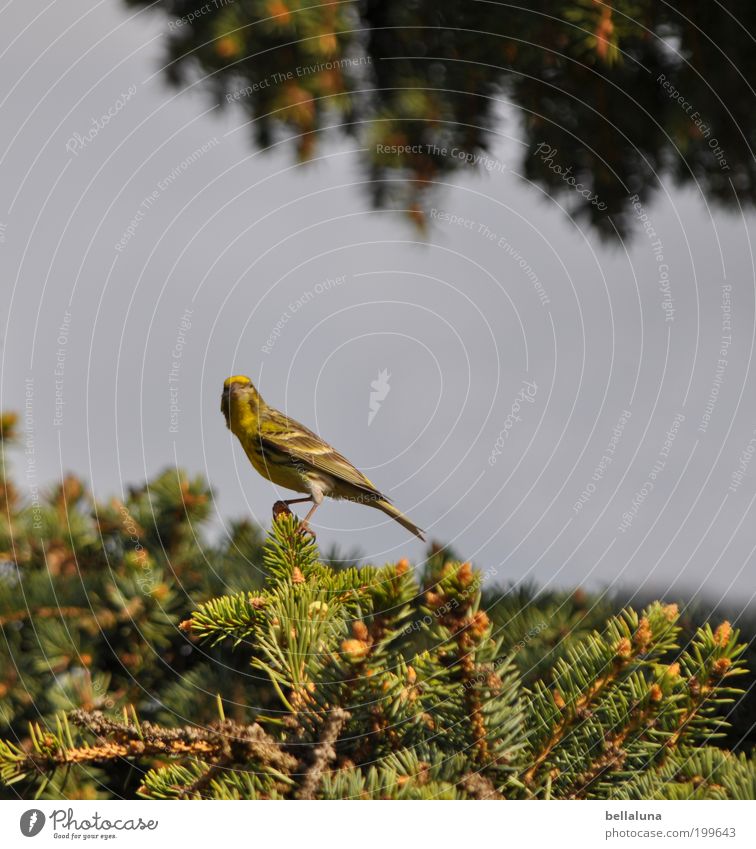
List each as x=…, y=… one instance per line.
x=231, y=385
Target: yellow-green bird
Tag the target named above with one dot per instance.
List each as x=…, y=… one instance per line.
x=288, y=454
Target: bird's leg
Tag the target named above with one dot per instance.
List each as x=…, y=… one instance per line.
x=304, y=525
x=317, y=499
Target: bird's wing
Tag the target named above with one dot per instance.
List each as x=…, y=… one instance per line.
x=292, y=438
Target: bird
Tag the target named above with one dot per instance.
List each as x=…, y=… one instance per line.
x=290, y=455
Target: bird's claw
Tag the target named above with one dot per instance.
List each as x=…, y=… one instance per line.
x=282, y=509
x=304, y=528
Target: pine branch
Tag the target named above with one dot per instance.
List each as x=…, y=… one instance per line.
x=226, y=740
x=703, y=773
x=592, y=669
x=323, y=754
x=86, y=618
x=712, y=657
x=477, y=786
x=230, y=617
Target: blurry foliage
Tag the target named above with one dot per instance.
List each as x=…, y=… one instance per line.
x=90, y=598
x=583, y=77
x=139, y=659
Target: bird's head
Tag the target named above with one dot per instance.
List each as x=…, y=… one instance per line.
x=233, y=387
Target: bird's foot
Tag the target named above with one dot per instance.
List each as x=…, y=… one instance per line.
x=280, y=509
x=304, y=528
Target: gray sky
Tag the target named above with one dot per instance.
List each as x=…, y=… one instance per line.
x=167, y=208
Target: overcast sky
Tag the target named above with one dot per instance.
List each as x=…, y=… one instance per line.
x=513, y=343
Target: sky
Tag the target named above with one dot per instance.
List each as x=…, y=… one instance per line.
x=559, y=410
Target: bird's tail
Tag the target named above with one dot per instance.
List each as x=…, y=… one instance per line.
x=395, y=514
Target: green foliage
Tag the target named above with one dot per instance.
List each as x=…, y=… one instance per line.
x=238, y=670
x=706, y=773
x=91, y=597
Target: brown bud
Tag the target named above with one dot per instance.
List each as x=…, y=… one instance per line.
x=465, y=574
x=655, y=693
x=558, y=699
x=277, y=9
x=355, y=650
x=296, y=576
x=643, y=634
x=624, y=648
x=479, y=624
x=493, y=682
x=8, y=422
x=71, y=489
x=673, y=670
x=723, y=634
x=722, y=666
x=671, y=612
x=228, y=47
x=359, y=630
x=402, y=566
x=160, y=592
x=423, y=773
x=411, y=675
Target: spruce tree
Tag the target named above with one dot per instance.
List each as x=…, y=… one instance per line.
x=624, y=93
x=138, y=660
